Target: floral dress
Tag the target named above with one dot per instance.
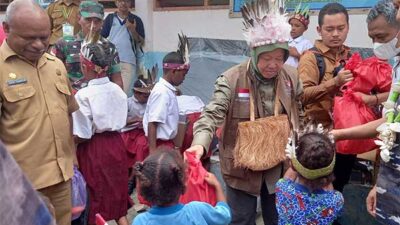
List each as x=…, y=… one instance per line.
x=296, y=205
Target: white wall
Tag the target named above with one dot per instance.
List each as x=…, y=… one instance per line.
x=165, y=25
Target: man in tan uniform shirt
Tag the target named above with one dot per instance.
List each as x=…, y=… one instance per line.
x=60, y=13
x=36, y=104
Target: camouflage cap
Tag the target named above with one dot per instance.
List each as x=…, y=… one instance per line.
x=90, y=9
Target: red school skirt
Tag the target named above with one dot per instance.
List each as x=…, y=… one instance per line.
x=102, y=162
x=137, y=146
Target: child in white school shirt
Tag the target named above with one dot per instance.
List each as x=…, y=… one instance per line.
x=298, y=43
x=160, y=121
x=101, y=152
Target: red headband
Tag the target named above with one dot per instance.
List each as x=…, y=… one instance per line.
x=100, y=71
x=176, y=66
x=304, y=20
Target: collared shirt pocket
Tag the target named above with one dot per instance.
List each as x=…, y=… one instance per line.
x=57, y=18
x=64, y=94
x=20, y=102
x=241, y=108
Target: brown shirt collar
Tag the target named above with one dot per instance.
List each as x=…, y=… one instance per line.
x=75, y=2
x=6, y=52
x=326, y=50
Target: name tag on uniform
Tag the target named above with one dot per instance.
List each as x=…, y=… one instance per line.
x=17, y=81
x=68, y=30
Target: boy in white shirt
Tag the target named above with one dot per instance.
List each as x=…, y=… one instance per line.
x=160, y=121
x=133, y=135
x=298, y=44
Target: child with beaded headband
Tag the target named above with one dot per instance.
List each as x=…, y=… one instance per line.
x=305, y=195
x=101, y=152
x=298, y=43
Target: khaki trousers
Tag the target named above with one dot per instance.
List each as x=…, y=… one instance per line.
x=60, y=197
x=128, y=74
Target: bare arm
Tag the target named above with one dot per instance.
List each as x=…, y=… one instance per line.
x=373, y=100
x=213, y=181
x=152, y=136
x=367, y=130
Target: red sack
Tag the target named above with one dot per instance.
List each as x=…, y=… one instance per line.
x=2, y=35
x=197, y=189
x=350, y=111
x=369, y=74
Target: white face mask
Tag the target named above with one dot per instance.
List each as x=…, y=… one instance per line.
x=386, y=50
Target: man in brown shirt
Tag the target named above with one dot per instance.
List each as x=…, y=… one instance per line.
x=63, y=12
x=320, y=89
x=36, y=105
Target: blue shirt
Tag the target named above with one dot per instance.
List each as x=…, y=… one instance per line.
x=115, y=30
x=193, y=213
x=296, y=205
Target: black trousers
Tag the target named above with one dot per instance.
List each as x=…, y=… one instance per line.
x=343, y=167
x=244, y=207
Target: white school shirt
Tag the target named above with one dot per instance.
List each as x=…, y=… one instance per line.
x=103, y=107
x=162, y=107
x=301, y=44
x=189, y=104
x=135, y=109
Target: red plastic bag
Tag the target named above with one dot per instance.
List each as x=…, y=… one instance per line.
x=369, y=74
x=2, y=35
x=197, y=189
x=350, y=111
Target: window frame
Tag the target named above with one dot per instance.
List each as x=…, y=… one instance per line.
x=115, y=9
x=205, y=6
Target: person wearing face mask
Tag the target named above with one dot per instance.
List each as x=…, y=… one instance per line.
x=383, y=200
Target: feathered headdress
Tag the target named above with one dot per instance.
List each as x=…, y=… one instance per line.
x=302, y=14
x=265, y=22
x=86, y=56
x=291, y=147
x=146, y=85
x=183, y=50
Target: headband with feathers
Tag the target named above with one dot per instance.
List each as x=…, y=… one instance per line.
x=265, y=22
x=183, y=50
x=91, y=38
x=302, y=14
x=291, y=147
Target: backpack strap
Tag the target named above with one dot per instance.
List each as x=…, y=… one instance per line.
x=320, y=62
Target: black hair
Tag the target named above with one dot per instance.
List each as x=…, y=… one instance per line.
x=101, y=54
x=173, y=57
x=315, y=151
x=332, y=9
x=161, y=177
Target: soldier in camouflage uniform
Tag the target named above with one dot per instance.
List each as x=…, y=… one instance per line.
x=68, y=47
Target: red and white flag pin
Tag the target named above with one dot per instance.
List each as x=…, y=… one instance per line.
x=244, y=93
x=100, y=220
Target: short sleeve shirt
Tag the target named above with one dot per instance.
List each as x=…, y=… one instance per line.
x=199, y=213
x=36, y=105
x=162, y=108
x=103, y=107
x=301, y=44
